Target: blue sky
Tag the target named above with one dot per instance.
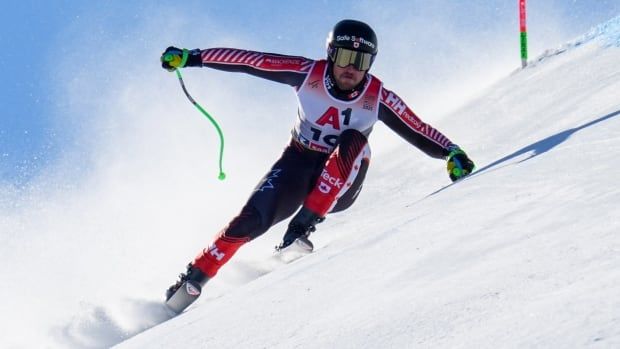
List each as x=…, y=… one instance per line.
x=46, y=43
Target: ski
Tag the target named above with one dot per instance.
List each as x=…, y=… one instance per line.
x=187, y=294
x=301, y=247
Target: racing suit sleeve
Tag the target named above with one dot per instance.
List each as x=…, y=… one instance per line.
x=402, y=120
x=290, y=70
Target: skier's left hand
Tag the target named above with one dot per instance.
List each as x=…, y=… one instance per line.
x=459, y=165
x=173, y=58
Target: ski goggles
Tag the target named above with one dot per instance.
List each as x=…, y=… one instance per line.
x=343, y=57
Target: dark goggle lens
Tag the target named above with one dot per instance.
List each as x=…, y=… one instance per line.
x=344, y=57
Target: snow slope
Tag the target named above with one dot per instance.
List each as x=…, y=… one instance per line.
x=521, y=254
x=524, y=253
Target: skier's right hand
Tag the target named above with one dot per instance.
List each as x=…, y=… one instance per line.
x=173, y=58
x=459, y=165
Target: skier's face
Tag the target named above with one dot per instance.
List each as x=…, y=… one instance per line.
x=349, y=77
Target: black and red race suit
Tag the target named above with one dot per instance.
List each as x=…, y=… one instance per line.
x=324, y=165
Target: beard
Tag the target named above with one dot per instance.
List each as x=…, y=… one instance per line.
x=347, y=81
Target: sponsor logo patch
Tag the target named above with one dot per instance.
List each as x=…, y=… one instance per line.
x=216, y=253
x=268, y=181
x=335, y=181
x=356, y=41
x=324, y=188
x=318, y=147
x=191, y=289
x=283, y=61
x=368, y=104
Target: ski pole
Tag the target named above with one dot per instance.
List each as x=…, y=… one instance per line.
x=169, y=58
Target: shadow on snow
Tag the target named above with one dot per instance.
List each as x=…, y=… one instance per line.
x=535, y=149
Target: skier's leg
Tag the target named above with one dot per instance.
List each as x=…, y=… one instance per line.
x=277, y=196
x=342, y=175
x=340, y=181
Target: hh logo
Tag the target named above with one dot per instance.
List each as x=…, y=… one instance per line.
x=395, y=103
x=216, y=253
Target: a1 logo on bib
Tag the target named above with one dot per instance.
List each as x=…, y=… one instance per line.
x=332, y=117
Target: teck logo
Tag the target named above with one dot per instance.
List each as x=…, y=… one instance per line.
x=334, y=181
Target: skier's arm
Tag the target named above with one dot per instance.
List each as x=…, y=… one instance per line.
x=402, y=120
x=290, y=70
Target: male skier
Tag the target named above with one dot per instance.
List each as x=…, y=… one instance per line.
x=323, y=167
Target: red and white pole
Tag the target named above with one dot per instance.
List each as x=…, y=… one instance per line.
x=523, y=33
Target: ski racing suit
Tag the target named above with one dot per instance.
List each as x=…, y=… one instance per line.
x=324, y=165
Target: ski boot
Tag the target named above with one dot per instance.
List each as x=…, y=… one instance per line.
x=186, y=290
x=299, y=229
